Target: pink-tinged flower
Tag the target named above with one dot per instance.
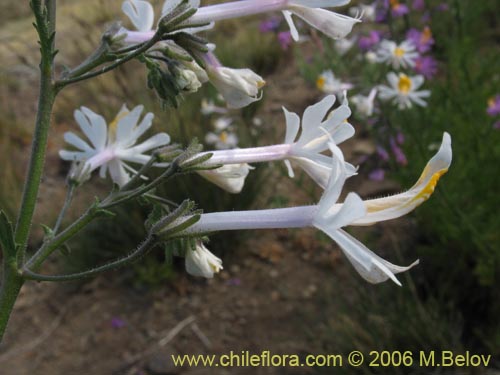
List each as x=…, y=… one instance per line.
x=422, y=40
x=494, y=106
x=285, y=39
x=398, y=153
x=418, y=5
x=377, y=175
x=370, y=41
x=426, y=65
x=382, y=153
x=270, y=24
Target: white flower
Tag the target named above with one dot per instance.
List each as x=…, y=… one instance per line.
x=140, y=13
x=397, y=205
x=369, y=265
x=332, y=24
x=367, y=11
x=142, y=16
x=314, y=137
x=364, y=104
x=371, y=57
x=330, y=216
x=188, y=80
x=342, y=46
x=229, y=177
x=402, y=55
x=111, y=147
x=223, y=140
x=201, y=262
x=208, y=107
x=329, y=84
x=403, y=90
x=222, y=123
x=239, y=87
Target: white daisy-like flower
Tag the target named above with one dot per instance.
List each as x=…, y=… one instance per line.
x=201, y=262
x=403, y=90
x=398, y=56
x=112, y=147
x=342, y=46
x=329, y=84
x=223, y=140
x=208, y=107
x=222, y=123
x=364, y=104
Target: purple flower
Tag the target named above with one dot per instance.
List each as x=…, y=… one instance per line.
x=117, y=322
x=285, y=39
x=400, y=138
x=418, y=5
x=443, y=7
x=422, y=40
x=368, y=42
x=377, y=174
x=270, y=24
x=398, y=153
x=426, y=65
x=382, y=153
x=494, y=106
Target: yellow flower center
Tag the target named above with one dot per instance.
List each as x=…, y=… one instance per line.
x=399, y=52
x=320, y=82
x=223, y=137
x=491, y=102
x=404, y=84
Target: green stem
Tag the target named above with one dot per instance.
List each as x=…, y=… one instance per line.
x=67, y=203
x=11, y=285
x=67, y=81
x=147, y=245
x=46, y=99
x=50, y=246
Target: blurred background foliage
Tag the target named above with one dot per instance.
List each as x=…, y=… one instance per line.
x=450, y=303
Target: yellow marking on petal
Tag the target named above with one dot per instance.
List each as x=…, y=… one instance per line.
x=261, y=84
x=399, y=52
x=394, y=3
x=223, y=137
x=428, y=189
x=491, y=102
x=404, y=84
x=320, y=82
x=113, y=124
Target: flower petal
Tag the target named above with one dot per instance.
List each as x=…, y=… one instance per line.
x=394, y=206
x=140, y=13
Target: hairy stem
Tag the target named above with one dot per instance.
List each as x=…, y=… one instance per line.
x=67, y=203
x=46, y=98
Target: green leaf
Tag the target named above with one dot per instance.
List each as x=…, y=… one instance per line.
x=7, y=236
